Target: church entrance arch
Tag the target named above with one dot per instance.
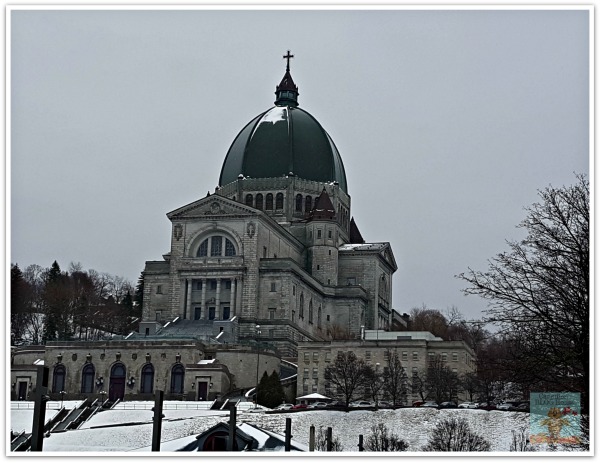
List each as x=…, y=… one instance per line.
x=116, y=389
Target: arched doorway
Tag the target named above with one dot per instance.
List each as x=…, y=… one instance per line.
x=116, y=389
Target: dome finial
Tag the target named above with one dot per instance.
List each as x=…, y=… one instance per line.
x=286, y=91
x=288, y=56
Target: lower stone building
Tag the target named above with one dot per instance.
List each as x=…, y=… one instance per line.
x=133, y=370
x=415, y=350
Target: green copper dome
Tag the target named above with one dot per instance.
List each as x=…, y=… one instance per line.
x=282, y=140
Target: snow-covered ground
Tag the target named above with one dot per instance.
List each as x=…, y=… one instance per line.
x=130, y=430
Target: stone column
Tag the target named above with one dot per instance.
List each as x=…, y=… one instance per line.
x=187, y=312
x=232, y=297
x=238, y=296
x=204, y=309
x=218, y=301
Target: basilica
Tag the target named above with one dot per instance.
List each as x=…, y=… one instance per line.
x=269, y=272
x=275, y=245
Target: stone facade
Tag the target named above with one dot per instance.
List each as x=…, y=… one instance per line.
x=205, y=372
x=315, y=357
x=270, y=263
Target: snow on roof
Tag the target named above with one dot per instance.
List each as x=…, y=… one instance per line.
x=206, y=362
x=314, y=395
x=39, y=362
x=362, y=247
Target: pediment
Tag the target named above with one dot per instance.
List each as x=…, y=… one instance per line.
x=388, y=256
x=211, y=206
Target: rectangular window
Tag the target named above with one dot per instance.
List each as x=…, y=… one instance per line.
x=293, y=316
x=444, y=357
x=271, y=333
x=264, y=251
x=315, y=388
x=199, y=284
x=315, y=373
x=328, y=356
x=305, y=388
x=271, y=314
x=455, y=370
x=454, y=357
x=228, y=284
x=329, y=234
x=159, y=289
x=351, y=281
x=215, y=245
x=226, y=313
x=211, y=313
x=307, y=357
x=158, y=316
x=305, y=373
x=293, y=290
x=415, y=356
x=318, y=234
x=315, y=356
x=213, y=284
x=273, y=287
x=405, y=356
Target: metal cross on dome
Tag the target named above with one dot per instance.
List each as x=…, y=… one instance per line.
x=288, y=56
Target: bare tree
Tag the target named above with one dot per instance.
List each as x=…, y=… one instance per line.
x=347, y=374
x=395, y=381
x=426, y=319
x=374, y=383
x=441, y=383
x=538, y=291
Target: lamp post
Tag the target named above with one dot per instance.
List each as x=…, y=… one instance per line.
x=257, y=365
x=103, y=396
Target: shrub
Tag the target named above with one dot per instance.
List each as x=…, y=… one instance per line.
x=321, y=441
x=455, y=435
x=380, y=440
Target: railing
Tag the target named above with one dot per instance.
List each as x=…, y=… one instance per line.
x=166, y=406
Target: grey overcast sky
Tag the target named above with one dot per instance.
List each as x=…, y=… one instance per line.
x=448, y=122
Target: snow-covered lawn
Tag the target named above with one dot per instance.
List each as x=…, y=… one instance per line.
x=120, y=430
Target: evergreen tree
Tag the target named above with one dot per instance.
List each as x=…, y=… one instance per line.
x=18, y=304
x=139, y=296
x=270, y=392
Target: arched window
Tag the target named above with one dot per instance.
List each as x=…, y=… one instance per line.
x=87, y=379
x=203, y=250
x=177, y=377
x=259, y=201
x=308, y=204
x=299, y=202
x=269, y=202
x=147, y=379
x=213, y=246
x=319, y=317
x=279, y=201
x=301, y=305
x=249, y=200
x=58, y=378
x=229, y=248
x=310, y=312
